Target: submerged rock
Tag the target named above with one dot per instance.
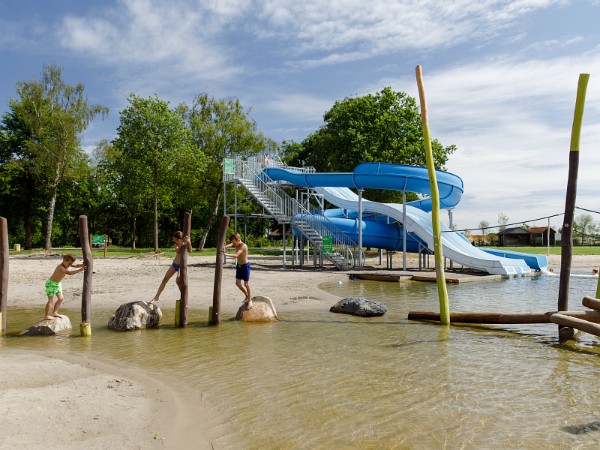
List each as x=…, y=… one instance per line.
x=262, y=311
x=134, y=316
x=358, y=306
x=46, y=327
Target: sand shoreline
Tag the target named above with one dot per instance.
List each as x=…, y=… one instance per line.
x=42, y=393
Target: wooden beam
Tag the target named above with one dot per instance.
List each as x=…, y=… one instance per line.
x=3, y=272
x=573, y=322
x=592, y=303
x=504, y=318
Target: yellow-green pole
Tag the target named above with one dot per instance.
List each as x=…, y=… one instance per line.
x=571, y=197
x=435, y=210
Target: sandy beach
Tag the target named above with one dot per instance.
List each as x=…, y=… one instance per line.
x=66, y=400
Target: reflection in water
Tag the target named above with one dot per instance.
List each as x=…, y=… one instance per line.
x=318, y=379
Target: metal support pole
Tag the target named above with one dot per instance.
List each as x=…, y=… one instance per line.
x=235, y=205
x=360, y=258
x=3, y=272
x=404, y=229
x=451, y=224
x=284, y=241
x=548, y=231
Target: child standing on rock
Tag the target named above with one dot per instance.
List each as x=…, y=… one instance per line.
x=242, y=268
x=54, y=285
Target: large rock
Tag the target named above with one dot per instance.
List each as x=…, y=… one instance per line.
x=358, y=306
x=262, y=311
x=60, y=324
x=134, y=316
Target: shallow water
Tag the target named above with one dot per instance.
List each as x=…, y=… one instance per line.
x=321, y=380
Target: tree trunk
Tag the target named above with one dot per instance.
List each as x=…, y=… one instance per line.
x=155, y=212
x=51, y=207
x=27, y=225
x=211, y=222
x=133, y=234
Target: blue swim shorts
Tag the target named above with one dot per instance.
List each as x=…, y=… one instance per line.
x=175, y=266
x=242, y=272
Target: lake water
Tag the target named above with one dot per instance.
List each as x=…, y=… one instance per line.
x=322, y=380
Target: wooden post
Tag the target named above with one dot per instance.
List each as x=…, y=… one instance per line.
x=216, y=308
x=592, y=303
x=574, y=322
x=183, y=274
x=567, y=229
x=3, y=272
x=105, y=244
x=435, y=210
x=86, y=296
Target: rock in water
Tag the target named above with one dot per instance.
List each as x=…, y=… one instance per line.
x=358, y=306
x=262, y=311
x=59, y=324
x=134, y=316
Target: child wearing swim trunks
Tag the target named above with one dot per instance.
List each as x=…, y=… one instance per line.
x=179, y=240
x=54, y=285
x=242, y=268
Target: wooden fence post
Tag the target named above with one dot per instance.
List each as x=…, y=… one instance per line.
x=3, y=272
x=86, y=296
x=183, y=275
x=216, y=307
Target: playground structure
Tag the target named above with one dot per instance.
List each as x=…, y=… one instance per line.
x=339, y=234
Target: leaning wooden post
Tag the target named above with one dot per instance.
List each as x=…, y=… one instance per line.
x=86, y=297
x=566, y=333
x=3, y=272
x=435, y=211
x=216, y=307
x=181, y=319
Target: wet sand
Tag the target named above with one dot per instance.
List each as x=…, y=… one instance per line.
x=66, y=400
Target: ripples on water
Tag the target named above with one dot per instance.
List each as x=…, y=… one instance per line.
x=322, y=380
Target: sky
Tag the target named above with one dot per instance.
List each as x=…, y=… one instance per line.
x=500, y=76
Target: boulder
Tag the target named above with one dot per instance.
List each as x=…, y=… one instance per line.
x=46, y=327
x=134, y=316
x=262, y=311
x=358, y=306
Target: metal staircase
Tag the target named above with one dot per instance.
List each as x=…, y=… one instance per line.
x=342, y=251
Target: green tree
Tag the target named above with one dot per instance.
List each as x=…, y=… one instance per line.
x=53, y=114
x=502, y=221
x=584, y=226
x=153, y=145
x=384, y=127
x=483, y=226
x=222, y=129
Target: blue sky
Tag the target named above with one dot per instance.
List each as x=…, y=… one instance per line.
x=500, y=76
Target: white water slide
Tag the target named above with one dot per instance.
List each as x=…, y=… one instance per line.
x=455, y=245
x=335, y=188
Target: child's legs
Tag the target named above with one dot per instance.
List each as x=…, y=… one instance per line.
x=59, y=299
x=166, y=278
x=248, y=292
x=49, y=306
x=239, y=284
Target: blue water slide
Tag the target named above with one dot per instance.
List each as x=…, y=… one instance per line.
x=385, y=233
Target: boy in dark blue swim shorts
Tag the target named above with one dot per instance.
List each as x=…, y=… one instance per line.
x=242, y=268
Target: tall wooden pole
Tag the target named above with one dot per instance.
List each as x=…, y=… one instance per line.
x=567, y=229
x=216, y=307
x=3, y=272
x=435, y=211
x=183, y=273
x=86, y=296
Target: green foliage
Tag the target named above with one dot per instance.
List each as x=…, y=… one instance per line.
x=384, y=127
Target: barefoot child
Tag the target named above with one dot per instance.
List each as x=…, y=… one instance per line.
x=54, y=285
x=179, y=240
x=242, y=268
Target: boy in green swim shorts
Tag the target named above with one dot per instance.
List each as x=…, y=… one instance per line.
x=54, y=286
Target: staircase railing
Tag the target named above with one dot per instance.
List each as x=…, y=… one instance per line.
x=249, y=172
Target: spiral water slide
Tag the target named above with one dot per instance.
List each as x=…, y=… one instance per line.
x=336, y=189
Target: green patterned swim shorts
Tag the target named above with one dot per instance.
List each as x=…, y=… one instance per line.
x=53, y=288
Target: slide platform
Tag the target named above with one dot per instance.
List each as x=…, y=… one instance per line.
x=377, y=232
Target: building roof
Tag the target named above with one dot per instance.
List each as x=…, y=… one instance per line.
x=515, y=230
x=540, y=229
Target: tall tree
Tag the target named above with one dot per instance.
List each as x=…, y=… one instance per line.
x=584, y=226
x=483, y=226
x=54, y=114
x=222, y=129
x=502, y=221
x=384, y=127
x=153, y=144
